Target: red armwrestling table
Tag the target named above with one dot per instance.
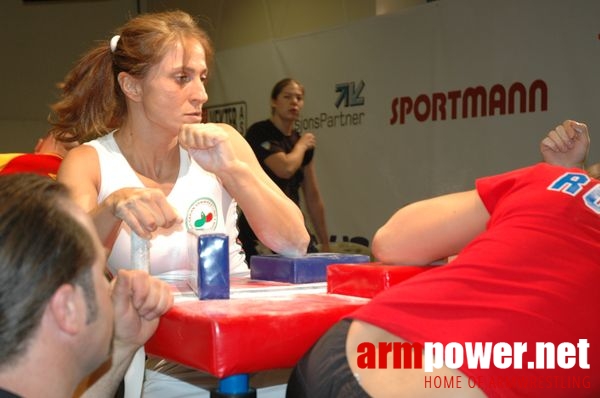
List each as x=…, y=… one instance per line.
x=264, y=325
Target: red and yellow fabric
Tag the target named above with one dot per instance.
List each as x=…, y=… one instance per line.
x=45, y=164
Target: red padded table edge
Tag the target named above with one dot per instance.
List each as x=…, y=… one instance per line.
x=228, y=337
x=366, y=280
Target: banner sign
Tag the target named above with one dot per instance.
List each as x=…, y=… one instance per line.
x=420, y=103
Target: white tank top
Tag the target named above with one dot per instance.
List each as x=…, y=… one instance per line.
x=202, y=202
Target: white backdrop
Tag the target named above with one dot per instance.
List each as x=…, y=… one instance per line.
x=367, y=166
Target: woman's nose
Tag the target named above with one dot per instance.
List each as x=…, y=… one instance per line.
x=199, y=92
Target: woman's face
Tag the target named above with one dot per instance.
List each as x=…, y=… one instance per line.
x=173, y=92
x=289, y=102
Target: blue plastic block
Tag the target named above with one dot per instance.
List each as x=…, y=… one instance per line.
x=212, y=267
x=308, y=269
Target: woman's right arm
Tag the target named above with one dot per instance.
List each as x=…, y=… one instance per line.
x=80, y=171
x=143, y=209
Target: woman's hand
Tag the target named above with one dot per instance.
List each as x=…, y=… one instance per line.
x=143, y=209
x=209, y=145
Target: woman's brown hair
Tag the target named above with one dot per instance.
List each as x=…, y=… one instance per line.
x=92, y=103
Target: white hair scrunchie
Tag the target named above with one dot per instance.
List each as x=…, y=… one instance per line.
x=113, y=42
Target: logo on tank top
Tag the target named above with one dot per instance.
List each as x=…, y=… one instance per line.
x=202, y=215
x=266, y=145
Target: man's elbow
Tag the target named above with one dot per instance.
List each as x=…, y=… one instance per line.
x=389, y=249
x=382, y=246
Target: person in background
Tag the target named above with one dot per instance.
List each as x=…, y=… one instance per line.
x=148, y=166
x=526, y=271
x=45, y=160
x=287, y=158
x=65, y=330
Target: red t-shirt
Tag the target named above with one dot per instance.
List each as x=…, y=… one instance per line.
x=530, y=277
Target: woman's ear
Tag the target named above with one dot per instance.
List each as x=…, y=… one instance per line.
x=130, y=86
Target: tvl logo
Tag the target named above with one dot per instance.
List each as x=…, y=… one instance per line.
x=350, y=94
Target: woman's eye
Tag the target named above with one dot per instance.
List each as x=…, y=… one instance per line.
x=182, y=78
